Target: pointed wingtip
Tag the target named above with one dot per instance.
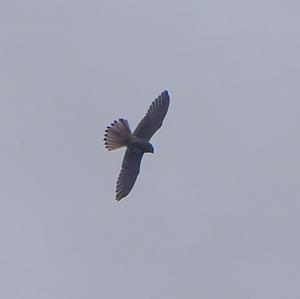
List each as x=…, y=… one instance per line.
x=118, y=197
x=166, y=94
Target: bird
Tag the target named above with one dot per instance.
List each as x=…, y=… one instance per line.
x=119, y=135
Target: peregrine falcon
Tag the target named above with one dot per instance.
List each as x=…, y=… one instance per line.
x=118, y=134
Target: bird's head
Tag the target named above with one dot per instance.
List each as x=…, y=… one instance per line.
x=149, y=148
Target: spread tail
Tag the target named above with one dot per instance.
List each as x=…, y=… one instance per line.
x=117, y=134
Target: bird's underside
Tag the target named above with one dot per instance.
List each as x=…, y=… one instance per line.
x=118, y=135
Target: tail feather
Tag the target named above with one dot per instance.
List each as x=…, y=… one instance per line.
x=117, y=134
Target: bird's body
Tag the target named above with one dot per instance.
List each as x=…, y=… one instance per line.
x=119, y=135
x=140, y=144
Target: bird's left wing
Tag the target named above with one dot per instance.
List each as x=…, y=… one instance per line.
x=129, y=172
x=152, y=121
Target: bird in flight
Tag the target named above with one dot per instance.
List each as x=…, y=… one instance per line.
x=118, y=134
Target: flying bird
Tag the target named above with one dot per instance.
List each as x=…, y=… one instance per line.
x=118, y=135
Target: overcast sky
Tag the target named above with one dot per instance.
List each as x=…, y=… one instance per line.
x=215, y=211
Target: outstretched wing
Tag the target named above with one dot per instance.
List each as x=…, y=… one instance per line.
x=154, y=117
x=129, y=172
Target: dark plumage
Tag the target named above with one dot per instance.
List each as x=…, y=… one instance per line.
x=118, y=134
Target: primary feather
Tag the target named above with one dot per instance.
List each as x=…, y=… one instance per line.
x=152, y=121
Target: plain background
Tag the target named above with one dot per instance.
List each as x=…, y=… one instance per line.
x=215, y=211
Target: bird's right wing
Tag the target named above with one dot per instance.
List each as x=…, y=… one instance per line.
x=152, y=121
x=129, y=172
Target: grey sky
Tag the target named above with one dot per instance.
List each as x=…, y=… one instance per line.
x=214, y=212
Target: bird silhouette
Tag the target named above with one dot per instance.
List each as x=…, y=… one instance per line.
x=118, y=135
